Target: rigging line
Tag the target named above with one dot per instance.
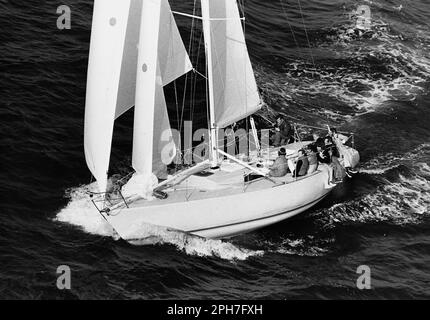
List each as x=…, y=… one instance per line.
x=289, y=24
x=194, y=88
x=200, y=74
x=190, y=46
x=306, y=33
x=241, y=5
x=176, y=99
x=207, y=89
x=245, y=52
x=193, y=81
x=171, y=24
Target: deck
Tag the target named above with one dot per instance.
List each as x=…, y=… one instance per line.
x=224, y=181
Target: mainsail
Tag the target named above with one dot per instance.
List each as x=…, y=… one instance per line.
x=235, y=91
x=112, y=74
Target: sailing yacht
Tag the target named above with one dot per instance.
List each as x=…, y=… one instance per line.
x=136, y=50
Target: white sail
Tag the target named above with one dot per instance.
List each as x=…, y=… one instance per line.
x=147, y=64
x=104, y=68
x=162, y=59
x=172, y=56
x=234, y=87
x=111, y=85
x=151, y=164
x=164, y=147
x=127, y=84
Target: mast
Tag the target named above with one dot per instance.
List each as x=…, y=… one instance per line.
x=146, y=87
x=213, y=153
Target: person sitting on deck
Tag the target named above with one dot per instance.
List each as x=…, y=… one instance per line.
x=283, y=132
x=280, y=167
x=302, y=164
x=312, y=158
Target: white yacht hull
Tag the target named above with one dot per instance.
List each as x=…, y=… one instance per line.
x=227, y=215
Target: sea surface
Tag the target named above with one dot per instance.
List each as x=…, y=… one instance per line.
x=311, y=65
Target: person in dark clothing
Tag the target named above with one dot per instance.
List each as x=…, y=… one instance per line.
x=324, y=158
x=283, y=132
x=330, y=146
x=302, y=165
x=320, y=143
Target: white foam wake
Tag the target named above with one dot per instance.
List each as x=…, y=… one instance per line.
x=379, y=170
x=403, y=202
x=192, y=245
x=389, y=161
x=308, y=246
x=81, y=212
x=357, y=85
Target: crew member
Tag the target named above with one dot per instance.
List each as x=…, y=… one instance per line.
x=280, y=166
x=283, y=132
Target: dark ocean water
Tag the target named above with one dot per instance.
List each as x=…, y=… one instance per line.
x=376, y=85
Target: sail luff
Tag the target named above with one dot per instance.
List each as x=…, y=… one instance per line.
x=143, y=134
x=104, y=68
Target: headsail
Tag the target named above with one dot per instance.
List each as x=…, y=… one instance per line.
x=164, y=148
x=172, y=56
x=112, y=75
x=162, y=59
x=104, y=68
x=234, y=87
